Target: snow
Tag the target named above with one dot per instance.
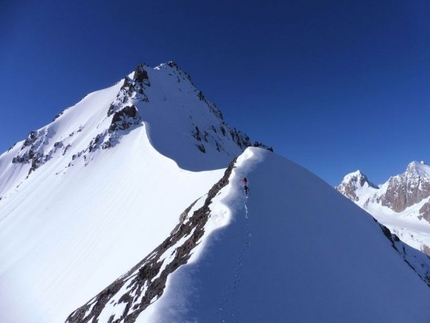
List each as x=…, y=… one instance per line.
x=67, y=232
x=90, y=225
x=419, y=169
x=82, y=118
x=174, y=107
x=294, y=251
x=407, y=225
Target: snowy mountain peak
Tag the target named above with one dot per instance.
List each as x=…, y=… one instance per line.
x=398, y=193
x=356, y=177
x=401, y=203
x=180, y=121
x=353, y=184
x=418, y=169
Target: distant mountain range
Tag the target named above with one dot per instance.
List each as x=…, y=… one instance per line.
x=129, y=207
x=402, y=203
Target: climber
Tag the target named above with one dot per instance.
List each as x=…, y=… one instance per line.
x=245, y=190
x=245, y=181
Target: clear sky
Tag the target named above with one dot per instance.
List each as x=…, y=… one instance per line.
x=335, y=86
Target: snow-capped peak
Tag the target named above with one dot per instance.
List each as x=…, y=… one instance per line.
x=181, y=124
x=126, y=160
x=418, y=169
x=356, y=177
x=354, y=185
x=402, y=203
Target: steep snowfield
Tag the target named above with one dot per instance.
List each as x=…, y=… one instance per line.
x=65, y=237
x=172, y=109
x=295, y=251
x=76, y=127
x=85, y=215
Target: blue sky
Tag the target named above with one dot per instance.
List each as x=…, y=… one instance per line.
x=335, y=86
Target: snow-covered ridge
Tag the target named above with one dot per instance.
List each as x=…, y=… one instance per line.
x=145, y=283
x=178, y=118
x=86, y=197
x=331, y=261
x=138, y=296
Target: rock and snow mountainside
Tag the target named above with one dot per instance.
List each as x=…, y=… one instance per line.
x=128, y=208
x=164, y=100
x=402, y=203
x=86, y=197
x=354, y=184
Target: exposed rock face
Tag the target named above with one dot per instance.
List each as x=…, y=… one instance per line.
x=124, y=118
x=407, y=189
x=132, y=91
x=36, y=149
x=31, y=138
x=141, y=75
x=146, y=281
x=261, y=145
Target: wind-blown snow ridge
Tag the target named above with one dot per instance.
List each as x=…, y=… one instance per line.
x=311, y=256
x=86, y=197
x=145, y=282
x=178, y=118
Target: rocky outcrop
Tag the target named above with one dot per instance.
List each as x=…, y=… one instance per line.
x=124, y=118
x=146, y=282
x=241, y=139
x=31, y=139
x=132, y=90
x=36, y=149
x=141, y=75
x=261, y=145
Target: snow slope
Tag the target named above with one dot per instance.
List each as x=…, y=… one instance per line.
x=65, y=237
x=90, y=195
x=85, y=198
x=294, y=251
